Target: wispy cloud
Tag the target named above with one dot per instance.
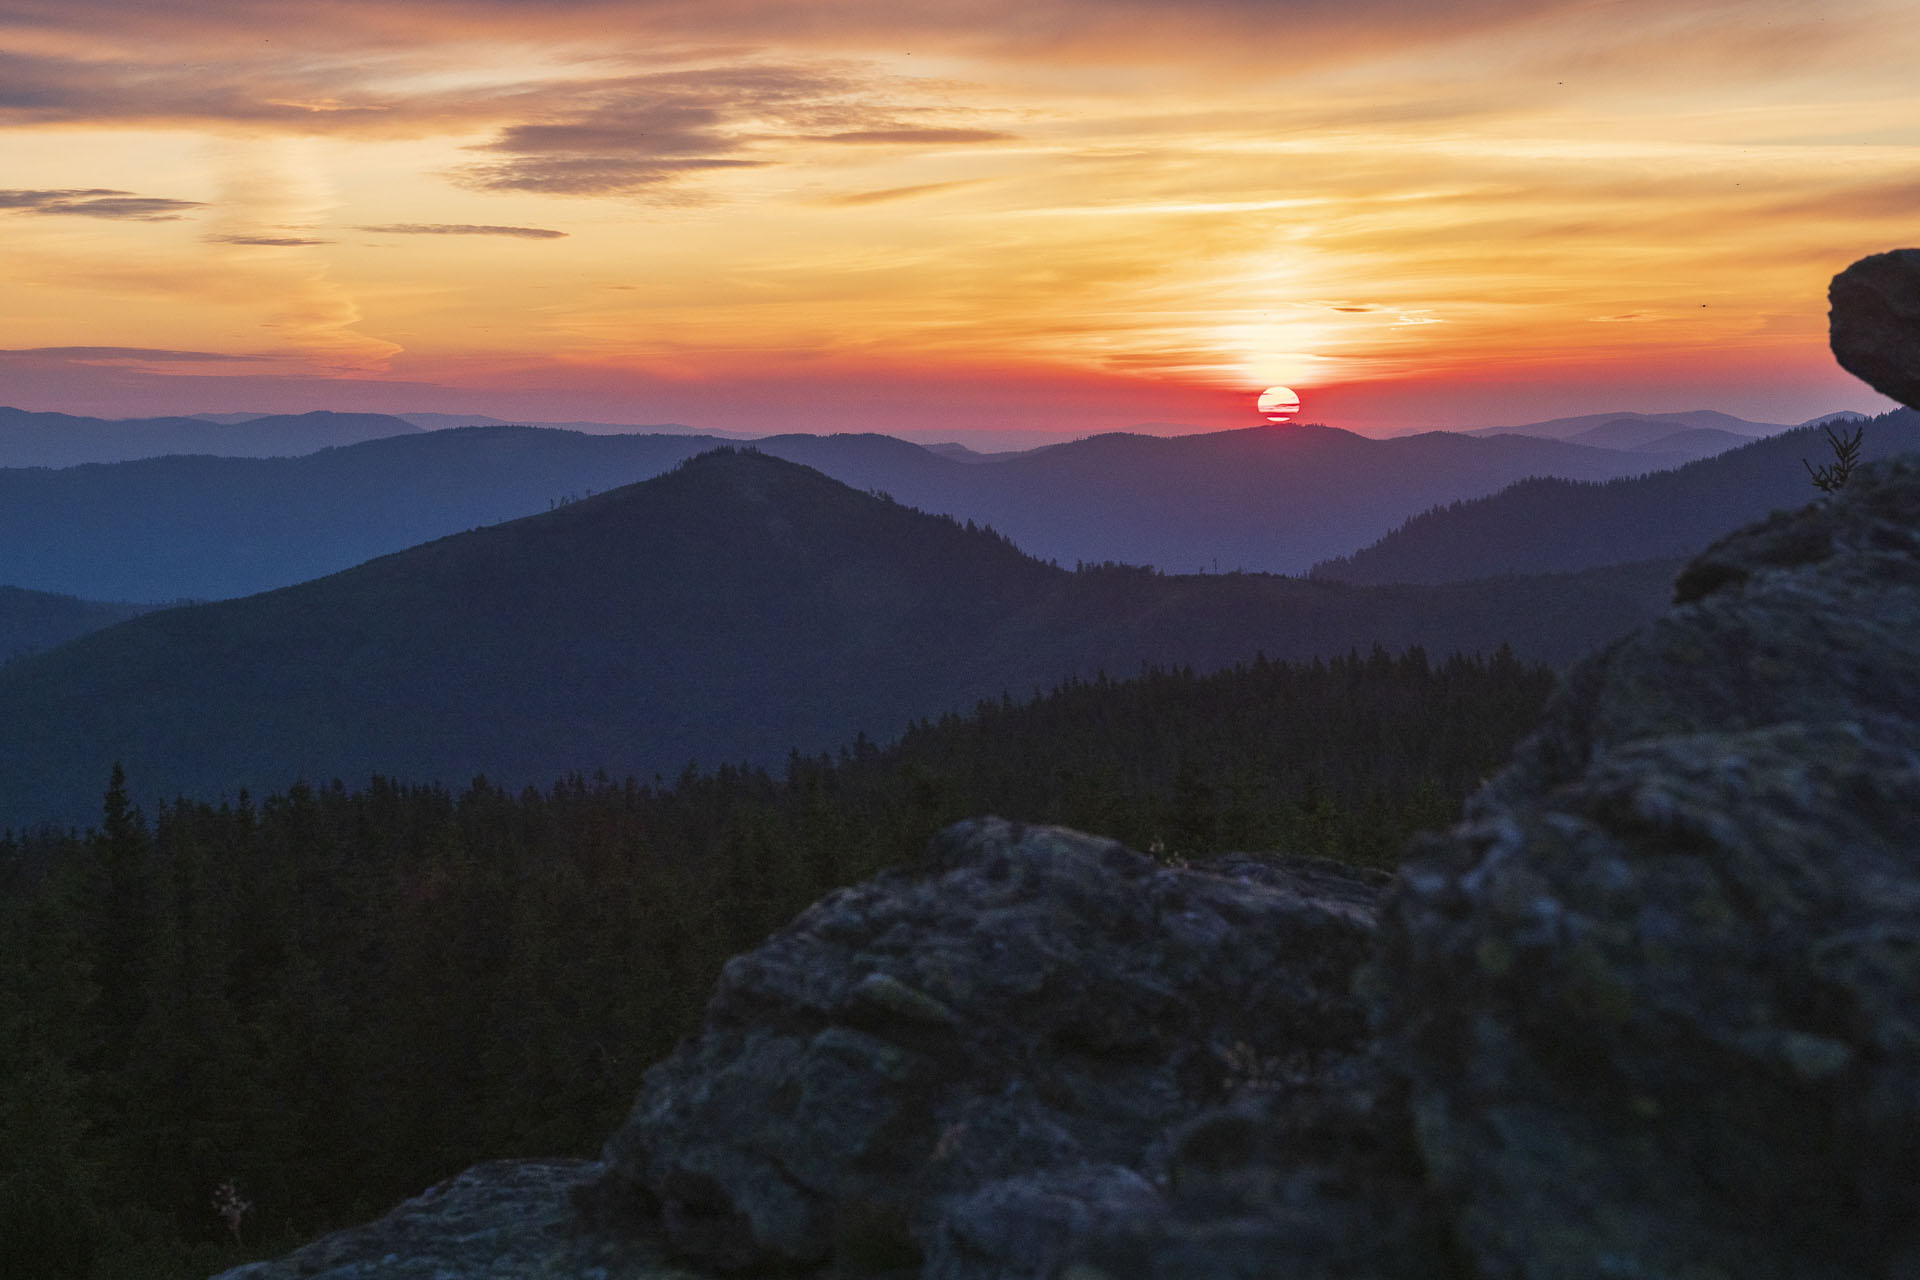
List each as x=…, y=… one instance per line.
x=631, y=134
x=1093, y=30
x=915, y=136
x=115, y=355
x=97, y=202
x=281, y=242
x=650, y=134
x=887, y=195
x=462, y=229
x=41, y=199
x=157, y=85
x=1897, y=198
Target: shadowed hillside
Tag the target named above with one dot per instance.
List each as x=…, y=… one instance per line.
x=34, y=620
x=1556, y=526
x=731, y=610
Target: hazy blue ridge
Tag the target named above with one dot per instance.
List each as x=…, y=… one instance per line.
x=1558, y=526
x=1269, y=499
x=29, y=439
x=210, y=528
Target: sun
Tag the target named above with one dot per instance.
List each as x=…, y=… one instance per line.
x=1277, y=404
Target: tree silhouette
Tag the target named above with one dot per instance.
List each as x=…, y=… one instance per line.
x=1846, y=453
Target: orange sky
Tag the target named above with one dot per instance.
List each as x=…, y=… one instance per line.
x=1043, y=215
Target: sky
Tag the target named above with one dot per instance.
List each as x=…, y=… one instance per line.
x=979, y=218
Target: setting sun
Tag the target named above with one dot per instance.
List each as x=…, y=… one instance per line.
x=1277, y=404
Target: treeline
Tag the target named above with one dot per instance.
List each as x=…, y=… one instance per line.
x=325, y=1000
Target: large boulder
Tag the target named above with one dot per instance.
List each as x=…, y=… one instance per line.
x=1874, y=324
x=973, y=1063
x=1658, y=999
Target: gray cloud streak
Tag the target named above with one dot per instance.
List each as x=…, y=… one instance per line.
x=272, y=241
x=637, y=133
x=97, y=202
x=462, y=229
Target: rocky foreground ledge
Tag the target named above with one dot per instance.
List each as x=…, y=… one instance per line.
x=1652, y=1010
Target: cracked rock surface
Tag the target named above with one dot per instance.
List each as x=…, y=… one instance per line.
x=1658, y=1000
x=975, y=1062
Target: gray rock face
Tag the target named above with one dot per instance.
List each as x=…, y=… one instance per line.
x=1658, y=1000
x=977, y=1063
x=1320, y=1181
x=1874, y=324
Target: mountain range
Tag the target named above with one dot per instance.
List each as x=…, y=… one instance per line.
x=196, y=527
x=1558, y=526
x=1648, y=426
x=64, y=440
x=1272, y=499
x=731, y=610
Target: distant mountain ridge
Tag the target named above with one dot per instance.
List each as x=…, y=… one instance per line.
x=1624, y=423
x=1266, y=499
x=730, y=610
x=210, y=528
x=1686, y=446
x=63, y=440
x=1558, y=526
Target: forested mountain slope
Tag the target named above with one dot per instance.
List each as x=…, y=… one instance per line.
x=332, y=998
x=731, y=610
x=1557, y=526
x=34, y=620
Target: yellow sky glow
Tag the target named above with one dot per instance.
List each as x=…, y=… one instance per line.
x=1157, y=214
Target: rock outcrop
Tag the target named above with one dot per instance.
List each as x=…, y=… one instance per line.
x=972, y=1064
x=1874, y=324
x=1658, y=1000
